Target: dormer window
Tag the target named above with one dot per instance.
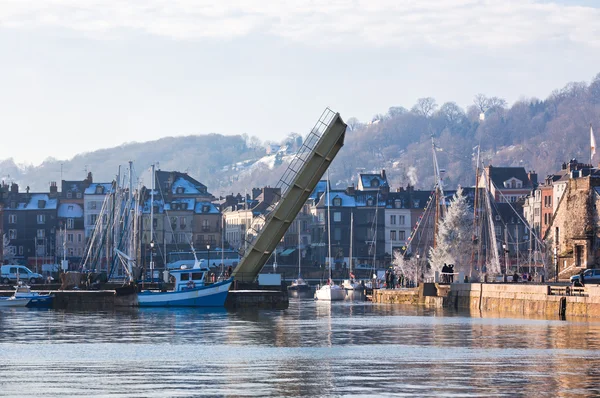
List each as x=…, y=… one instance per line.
x=69, y=195
x=374, y=182
x=370, y=202
x=180, y=190
x=41, y=204
x=337, y=201
x=78, y=195
x=184, y=206
x=397, y=204
x=99, y=189
x=205, y=209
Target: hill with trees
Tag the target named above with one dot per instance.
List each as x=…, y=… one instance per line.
x=536, y=134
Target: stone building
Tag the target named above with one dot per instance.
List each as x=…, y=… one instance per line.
x=574, y=234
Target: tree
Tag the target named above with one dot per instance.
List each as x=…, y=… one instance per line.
x=452, y=113
x=407, y=267
x=424, y=106
x=454, y=236
x=395, y=111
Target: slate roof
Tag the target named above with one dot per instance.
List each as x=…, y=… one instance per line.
x=91, y=190
x=206, y=208
x=32, y=201
x=367, y=181
x=176, y=180
x=347, y=200
x=499, y=175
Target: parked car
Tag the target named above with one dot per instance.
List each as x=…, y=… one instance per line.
x=589, y=276
x=9, y=273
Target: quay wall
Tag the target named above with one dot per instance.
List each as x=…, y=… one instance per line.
x=509, y=298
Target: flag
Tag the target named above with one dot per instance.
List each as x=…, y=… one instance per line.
x=592, y=143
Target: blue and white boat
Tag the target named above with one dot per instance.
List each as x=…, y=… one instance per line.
x=191, y=290
x=36, y=299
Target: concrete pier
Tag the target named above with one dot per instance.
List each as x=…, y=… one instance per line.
x=509, y=298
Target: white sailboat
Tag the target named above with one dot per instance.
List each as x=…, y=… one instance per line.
x=330, y=291
x=351, y=284
x=299, y=284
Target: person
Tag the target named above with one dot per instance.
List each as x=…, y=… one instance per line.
x=515, y=277
x=393, y=280
x=229, y=271
x=444, y=273
x=451, y=271
x=529, y=278
x=581, y=278
x=387, y=279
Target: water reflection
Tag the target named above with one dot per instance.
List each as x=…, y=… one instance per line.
x=311, y=349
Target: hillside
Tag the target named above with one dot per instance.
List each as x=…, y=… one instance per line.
x=536, y=134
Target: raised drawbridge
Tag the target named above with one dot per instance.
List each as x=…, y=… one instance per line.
x=302, y=175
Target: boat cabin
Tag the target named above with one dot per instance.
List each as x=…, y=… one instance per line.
x=188, y=278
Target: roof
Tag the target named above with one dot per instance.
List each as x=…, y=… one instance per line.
x=34, y=201
x=160, y=206
x=72, y=186
x=206, y=208
x=499, y=175
x=347, y=200
x=91, y=190
x=372, y=181
x=176, y=179
x=70, y=210
x=319, y=188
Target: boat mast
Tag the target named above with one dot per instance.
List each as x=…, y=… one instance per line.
x=439, y=192
x=152, y=224
x=492, y=235
x=475, y=218
x=351, y=238
x=299, y=253
x=375, y=231
x=328, y=230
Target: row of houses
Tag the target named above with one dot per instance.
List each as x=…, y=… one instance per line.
x=370, y=217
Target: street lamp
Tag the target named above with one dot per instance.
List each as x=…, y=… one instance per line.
x=208, y=256
x=505, y=248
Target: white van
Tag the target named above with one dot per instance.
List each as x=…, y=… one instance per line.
x=10, y=272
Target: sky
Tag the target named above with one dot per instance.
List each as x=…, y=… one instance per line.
x=80, y=75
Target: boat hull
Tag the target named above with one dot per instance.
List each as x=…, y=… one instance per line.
x=330, y=293
x=42, y=301
x=13, y=302
x=205, y=296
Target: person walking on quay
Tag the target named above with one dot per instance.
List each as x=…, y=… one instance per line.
x=515, y=277
x=393, y=279
x=581, y=278
x=451, y=271
x=387, y=279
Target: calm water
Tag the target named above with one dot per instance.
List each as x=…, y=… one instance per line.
x=311, y=349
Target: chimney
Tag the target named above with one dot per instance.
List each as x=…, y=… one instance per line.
x=53, y=188
x=14, y=187
x=350, y=190
x=401, y=189
x=532, y=176
x=383, y=174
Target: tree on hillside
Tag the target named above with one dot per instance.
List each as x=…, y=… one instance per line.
x=454, y=236
x=424, y=106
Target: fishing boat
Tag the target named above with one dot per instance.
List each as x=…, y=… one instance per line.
x=190, y=290
x=329, y=291
x=36, y=300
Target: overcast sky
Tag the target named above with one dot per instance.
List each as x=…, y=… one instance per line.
x=78, y=75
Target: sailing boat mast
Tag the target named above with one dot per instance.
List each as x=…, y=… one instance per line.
x=351, y=239
x=439, y=192
x=299, y=253
x=328, y=230
x=152, y=224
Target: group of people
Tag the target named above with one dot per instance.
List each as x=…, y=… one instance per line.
x=448, y=273
x=390, y=279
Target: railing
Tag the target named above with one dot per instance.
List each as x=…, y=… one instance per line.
x=566, y=291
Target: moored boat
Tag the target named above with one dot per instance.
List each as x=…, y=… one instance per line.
x=36, y=299
x=12, y=301
x=190, y=291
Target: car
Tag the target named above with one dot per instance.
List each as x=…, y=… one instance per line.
x=589, y=276
x=11, y=272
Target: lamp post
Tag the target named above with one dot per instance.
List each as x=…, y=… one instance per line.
x=151, y=259
x=504, y=247
x=208, y=256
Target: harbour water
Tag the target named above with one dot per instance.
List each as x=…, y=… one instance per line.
x=310, y=349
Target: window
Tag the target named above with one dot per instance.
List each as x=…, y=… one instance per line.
x=205, y=225
x=78, y=195
x=321, y=217
x=69, y=195
x=92, y=205
x=20, y=250
x=337, y=216
x=40, y=250
x=99, y=189
x=70, y=223
x=182, y=223
x=71, y=251
x=397, y=203
x=40, y=233
x=337, y=234
x=180, y=190
x=12, y=218
x=93, y=218
x=69, y=237
x=155, y=222
x=337, y=201
x=401, y=220
x=401, y=235
x=79, y=238
x=173, y=222
x=498, y=230
x=392, y=235
x=185, y=277
x=393, y=219
x=370, y=202
x=12, y=234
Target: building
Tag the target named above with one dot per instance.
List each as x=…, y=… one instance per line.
x=30, y=221
x=508, y=184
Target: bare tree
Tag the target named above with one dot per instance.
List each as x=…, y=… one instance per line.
x=425, y=106
x=452, y=113
x=353, y=123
